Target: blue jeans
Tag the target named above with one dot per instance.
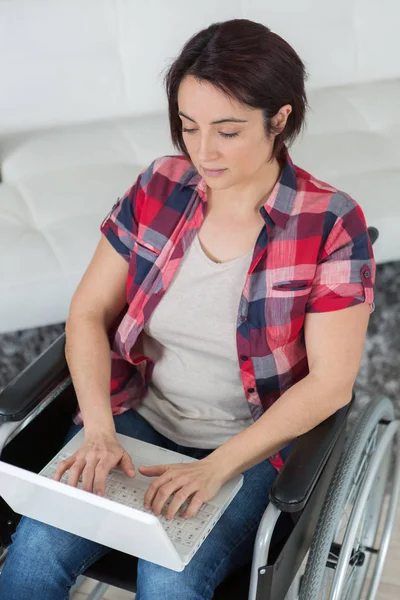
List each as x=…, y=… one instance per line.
x=43, y=561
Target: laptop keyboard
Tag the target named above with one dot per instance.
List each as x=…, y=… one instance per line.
x=184, y=531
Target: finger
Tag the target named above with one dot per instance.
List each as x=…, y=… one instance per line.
x=153, y=470
x=63, y=466
x=88, y=475
x=100, y=477
x=153, y=488
x=164, y=492
x=180, y=498
x=127, y=465
x=75, y=472
x=194, y=506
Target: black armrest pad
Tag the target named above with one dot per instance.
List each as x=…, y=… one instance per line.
x=34, y=382
x=297, y=478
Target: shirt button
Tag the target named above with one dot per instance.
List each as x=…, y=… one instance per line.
x=244, y=358
x=250, y=390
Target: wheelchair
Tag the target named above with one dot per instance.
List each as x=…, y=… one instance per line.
x=325, y=532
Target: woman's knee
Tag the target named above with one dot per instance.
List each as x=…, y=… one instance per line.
x=154, y=581
x=31, y=563
x=41, y=552
x=34, y=538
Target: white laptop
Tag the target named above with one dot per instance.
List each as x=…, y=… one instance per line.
x=117, y=520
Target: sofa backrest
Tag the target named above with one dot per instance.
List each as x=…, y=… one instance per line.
x=75, y=61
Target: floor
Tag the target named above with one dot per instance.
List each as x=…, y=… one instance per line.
x=389, y=588
x=111, y=593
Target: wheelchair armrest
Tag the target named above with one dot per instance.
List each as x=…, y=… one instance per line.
x=297, y=478
x=29, y=388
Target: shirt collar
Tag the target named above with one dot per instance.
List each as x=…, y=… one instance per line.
x=279, y=204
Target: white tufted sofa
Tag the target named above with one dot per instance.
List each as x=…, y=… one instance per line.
x=83, y=110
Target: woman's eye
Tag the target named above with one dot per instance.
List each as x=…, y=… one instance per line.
x=229, y=135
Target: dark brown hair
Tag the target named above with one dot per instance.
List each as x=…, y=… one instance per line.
x=247, y=62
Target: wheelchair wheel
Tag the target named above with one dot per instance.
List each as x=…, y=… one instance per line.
x=346, y=536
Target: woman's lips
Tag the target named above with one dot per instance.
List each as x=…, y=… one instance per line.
x=213, y=172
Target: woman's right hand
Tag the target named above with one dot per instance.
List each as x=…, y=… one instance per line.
x=98, y=454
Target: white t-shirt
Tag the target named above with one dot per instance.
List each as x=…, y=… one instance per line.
x=196, y=396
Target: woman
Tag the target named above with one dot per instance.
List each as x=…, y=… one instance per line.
x=234, y=290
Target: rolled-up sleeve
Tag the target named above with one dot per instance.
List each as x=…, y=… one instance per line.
x=346, y=271
x=120, y=226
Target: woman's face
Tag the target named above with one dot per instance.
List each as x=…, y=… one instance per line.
x=241, y=148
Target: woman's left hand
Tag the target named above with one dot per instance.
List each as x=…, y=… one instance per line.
x=201, y=479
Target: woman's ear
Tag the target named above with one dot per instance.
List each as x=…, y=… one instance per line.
x=279, y=120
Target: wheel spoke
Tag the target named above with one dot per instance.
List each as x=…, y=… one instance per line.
x=349, y=582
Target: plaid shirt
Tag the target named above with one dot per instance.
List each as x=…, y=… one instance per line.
x=313, y=255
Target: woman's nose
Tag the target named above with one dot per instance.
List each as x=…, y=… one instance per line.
x=207, y=152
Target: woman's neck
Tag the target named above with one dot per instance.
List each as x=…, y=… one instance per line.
x=245, y=201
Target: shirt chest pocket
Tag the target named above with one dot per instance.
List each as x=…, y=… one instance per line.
x=142, y=247
x=144, y=256
x=285, y=310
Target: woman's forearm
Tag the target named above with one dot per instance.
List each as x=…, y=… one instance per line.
x=87, y=351
x=301, y=408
